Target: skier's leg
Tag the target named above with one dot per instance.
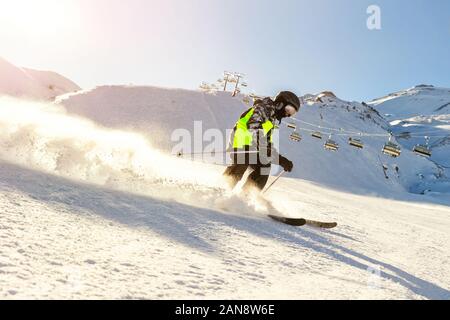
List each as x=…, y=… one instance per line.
x=257, y=180
x=234, y=173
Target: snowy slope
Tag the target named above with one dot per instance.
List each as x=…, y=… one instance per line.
x=418, y=112
x=24, y=82
x=93, y=210
x=425, y=100
x=66, y=239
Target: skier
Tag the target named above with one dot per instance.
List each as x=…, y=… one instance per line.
x=252, y=141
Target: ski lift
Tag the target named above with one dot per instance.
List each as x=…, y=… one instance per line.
x=292, y=125
x=295, y=136
x=391, y=149
x=423, y=150
x=331, y=145
x=357, y=143
x=204, y=86
x=317, y=135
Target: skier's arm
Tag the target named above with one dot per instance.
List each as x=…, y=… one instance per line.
x=284, y=162
x=280, y=160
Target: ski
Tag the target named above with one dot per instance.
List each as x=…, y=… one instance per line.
x=320, y=224
x=298, y=222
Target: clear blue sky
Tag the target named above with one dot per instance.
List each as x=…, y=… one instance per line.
x=305, y=46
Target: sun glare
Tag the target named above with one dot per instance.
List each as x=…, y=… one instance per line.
x=38, y=18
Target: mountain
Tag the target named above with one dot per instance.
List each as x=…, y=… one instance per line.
x=29, y=83
x=424, y=100
x=421, y=116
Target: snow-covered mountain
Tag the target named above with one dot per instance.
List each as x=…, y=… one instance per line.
x=419, y=112
x=29, y=83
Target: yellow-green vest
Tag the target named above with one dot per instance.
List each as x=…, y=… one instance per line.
x=242, y=136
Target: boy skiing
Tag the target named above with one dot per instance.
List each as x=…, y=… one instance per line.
x=252, y=141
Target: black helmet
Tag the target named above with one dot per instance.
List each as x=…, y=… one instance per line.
x=287, y=97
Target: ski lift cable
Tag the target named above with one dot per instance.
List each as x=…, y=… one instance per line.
x=320, y=127
x=423, y=134
x=312, y=131
x=334, y=129
x=343, y=132
x=325, y=121
x=362, y=135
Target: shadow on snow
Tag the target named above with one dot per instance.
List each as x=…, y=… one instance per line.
x=191, y=226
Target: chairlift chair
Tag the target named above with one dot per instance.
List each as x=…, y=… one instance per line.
x=295, y=136
x=357, y=143
x=317, y=135
x=331, y=145
x=422, y=150
x=392, y=149
x=292, y=125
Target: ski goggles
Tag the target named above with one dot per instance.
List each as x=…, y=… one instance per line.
x=290, y=110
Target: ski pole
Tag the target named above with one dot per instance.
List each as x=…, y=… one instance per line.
x=180, y=154
x=277, y=178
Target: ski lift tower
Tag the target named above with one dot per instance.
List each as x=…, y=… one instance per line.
x=227, y=77
x=237, y=76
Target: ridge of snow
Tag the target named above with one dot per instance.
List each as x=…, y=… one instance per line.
x=29, y=83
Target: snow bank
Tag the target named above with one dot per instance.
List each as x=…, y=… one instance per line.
x=24, y=82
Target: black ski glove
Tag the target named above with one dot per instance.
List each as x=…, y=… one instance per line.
x=286, y=164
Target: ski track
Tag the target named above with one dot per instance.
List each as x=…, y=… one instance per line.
x=66, y=239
